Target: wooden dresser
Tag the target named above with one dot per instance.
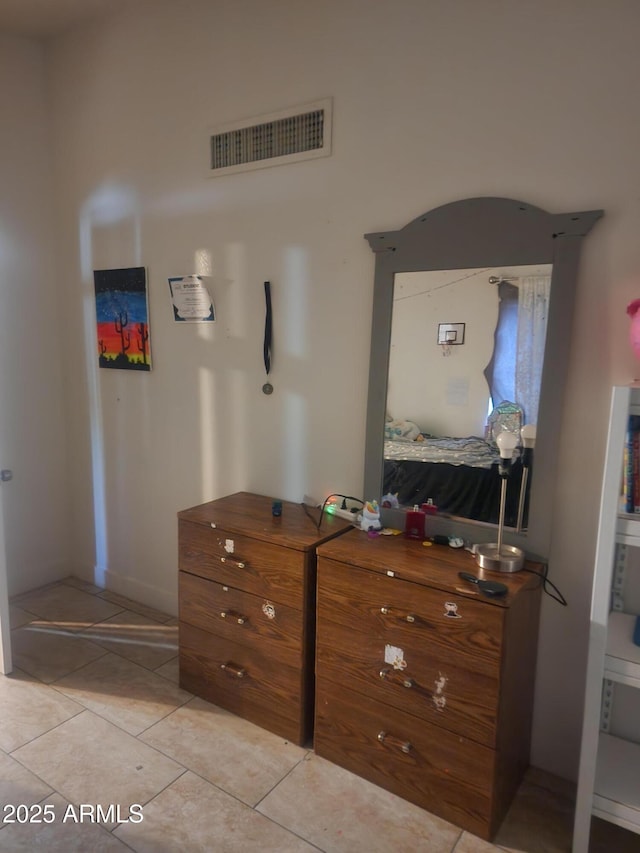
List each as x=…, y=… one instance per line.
x=247, y=608
x=423, y=686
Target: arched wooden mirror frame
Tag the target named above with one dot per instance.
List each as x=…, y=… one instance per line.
x=472, y=233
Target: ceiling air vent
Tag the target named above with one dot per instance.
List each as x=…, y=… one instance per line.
x=301, y=133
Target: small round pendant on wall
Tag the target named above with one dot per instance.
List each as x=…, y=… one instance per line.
x=267, y=388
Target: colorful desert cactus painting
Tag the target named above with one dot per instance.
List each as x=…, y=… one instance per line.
x=122, y=318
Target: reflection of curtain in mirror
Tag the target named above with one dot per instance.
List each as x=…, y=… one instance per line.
x=500, y=372
x=515, y=370
x=532, y=330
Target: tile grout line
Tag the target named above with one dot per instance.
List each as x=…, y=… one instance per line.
x=107, y=719
x=286, y=775
x=242, y=802
x=53, y=685
x=46, y=732
x=273, y=788
x=458, y=840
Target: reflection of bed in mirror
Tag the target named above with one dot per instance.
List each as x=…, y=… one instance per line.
x=460, y=476
x=448, y=382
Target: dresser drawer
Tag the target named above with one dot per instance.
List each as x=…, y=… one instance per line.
x=242, y=617
x=456, y=691
x=429, y=766
x=244, y=563
x=244, y=680
x=382, y=606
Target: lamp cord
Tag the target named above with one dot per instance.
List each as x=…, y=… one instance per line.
x=545, y=580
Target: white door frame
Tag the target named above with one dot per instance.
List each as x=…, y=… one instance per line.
x=6, y=662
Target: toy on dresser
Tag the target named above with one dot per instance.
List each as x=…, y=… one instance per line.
x=370, y=516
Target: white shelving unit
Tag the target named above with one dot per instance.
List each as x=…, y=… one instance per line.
x=609, y=775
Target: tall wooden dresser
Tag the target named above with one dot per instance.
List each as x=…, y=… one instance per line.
x=424, y=686
x=247, y=608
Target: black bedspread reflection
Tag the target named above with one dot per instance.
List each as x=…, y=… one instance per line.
x=455, y=489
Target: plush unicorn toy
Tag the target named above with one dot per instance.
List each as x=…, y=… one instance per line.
x=370, y=516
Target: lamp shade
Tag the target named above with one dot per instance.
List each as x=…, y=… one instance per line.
x=506, y=442
x=528, y=435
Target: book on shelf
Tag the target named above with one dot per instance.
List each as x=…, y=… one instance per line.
x=631, y=467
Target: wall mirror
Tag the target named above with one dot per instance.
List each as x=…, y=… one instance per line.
x=471, y=325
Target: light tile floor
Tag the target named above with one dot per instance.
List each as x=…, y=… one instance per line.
x=93, y=715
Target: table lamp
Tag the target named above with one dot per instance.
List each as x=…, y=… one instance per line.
x=496, y=556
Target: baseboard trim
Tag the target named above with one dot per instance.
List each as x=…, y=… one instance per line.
x=144, y=593
x=32, y=580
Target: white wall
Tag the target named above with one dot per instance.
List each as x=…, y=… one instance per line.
x=32, y=332
x=433, y=102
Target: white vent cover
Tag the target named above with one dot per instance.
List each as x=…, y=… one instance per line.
x=301, y=133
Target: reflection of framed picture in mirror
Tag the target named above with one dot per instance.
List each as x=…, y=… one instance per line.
x=451, y=333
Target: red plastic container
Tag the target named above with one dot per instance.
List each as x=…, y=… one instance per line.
x=414, y=524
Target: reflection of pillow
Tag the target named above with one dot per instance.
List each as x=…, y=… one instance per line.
x=505, y=416
x=402, y=430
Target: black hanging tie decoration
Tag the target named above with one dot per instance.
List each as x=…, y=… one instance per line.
x=267, y=388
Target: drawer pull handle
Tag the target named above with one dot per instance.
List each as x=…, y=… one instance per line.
x=238, y=671
x=237, y=617
x=235, y=563
x=403, y=745
x=388, y=611
x=386, y=673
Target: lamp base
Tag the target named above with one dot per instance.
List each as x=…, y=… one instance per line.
x=507, y=559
